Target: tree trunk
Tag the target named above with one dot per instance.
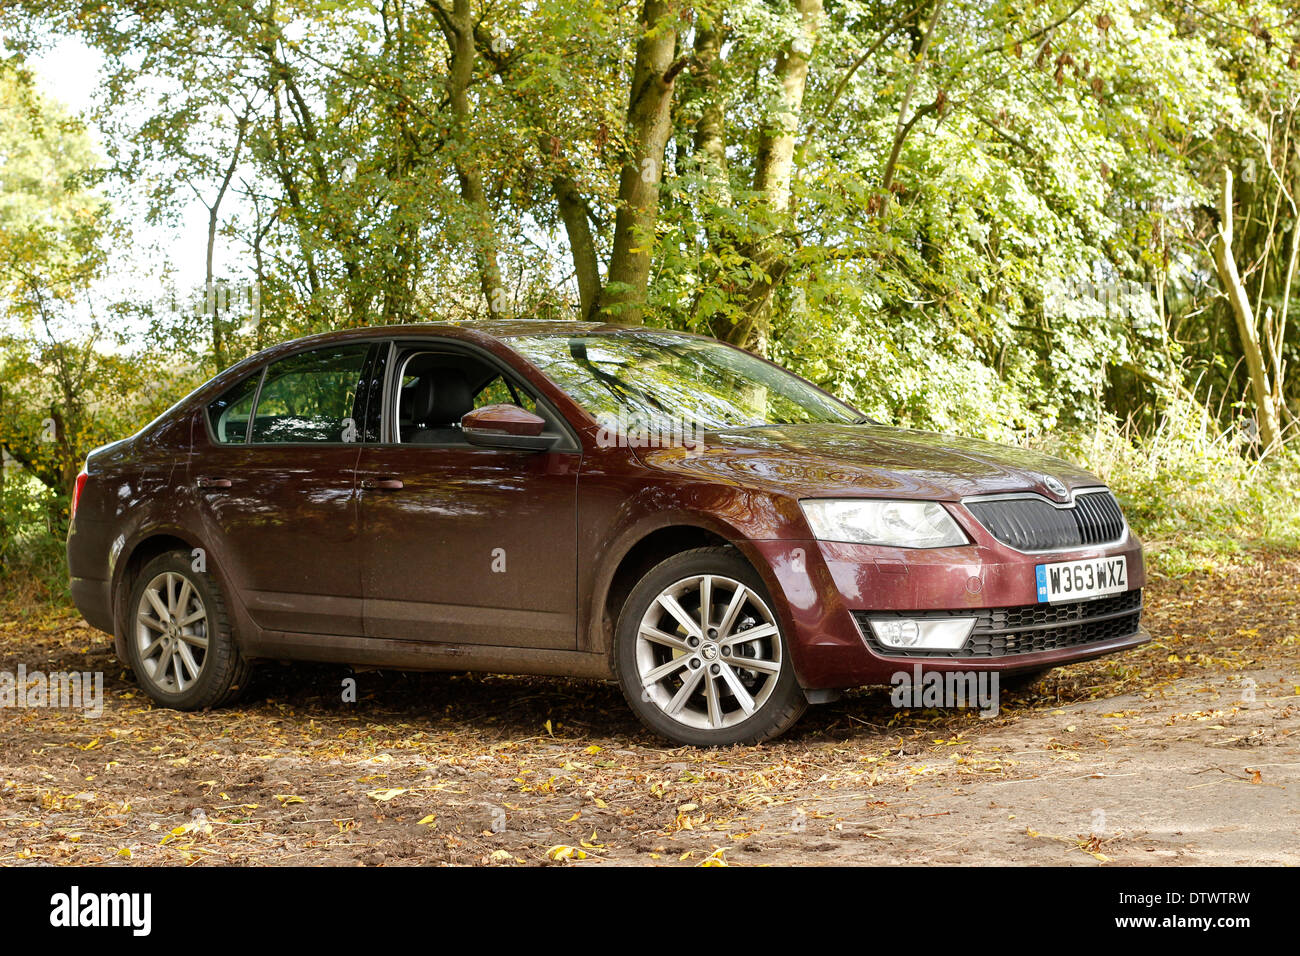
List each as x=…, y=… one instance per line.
x=1247, y=328
x=773, y=170
x=569, y=200
x=649, y=124
x=577, y=226
x=458, y=28
x=1279, y=332
x=210, y=298
x=710, y=143
x=709, y=148
x=4, y=529
x=905, y=123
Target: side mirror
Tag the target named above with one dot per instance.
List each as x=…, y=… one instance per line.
x=506, y=426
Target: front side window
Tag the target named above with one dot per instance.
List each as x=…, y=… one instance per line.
x=311, y=397
x=435, y=390
x=501, y=392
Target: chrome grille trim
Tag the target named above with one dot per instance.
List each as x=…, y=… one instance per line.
x=1031, y=523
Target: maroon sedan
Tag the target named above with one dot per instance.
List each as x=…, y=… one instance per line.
x=725, y=539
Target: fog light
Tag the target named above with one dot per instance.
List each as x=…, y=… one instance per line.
x=934, y=634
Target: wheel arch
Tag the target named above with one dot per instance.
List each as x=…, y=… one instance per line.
x=648, y=544
x=132, y=558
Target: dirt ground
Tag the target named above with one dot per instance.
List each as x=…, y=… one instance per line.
x=1185, y=751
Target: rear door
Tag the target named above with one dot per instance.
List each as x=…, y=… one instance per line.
x=276, y=481
x=461, y=544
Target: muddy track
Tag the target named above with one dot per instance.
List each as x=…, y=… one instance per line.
x=1184, y=751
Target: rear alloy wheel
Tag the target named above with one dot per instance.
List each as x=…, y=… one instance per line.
x=171, y=633
x=179, y=640
x=701, y=657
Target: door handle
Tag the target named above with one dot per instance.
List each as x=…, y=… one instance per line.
x=386, y=484
x=206, y=482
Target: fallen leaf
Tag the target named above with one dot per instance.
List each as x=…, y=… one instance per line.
x=563, y=852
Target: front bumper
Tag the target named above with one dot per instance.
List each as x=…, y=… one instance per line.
x=828, y=590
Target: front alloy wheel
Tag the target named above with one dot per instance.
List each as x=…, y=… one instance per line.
x=701, y=655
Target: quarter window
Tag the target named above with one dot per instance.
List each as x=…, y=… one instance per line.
x=500, y=392
x=230, y=413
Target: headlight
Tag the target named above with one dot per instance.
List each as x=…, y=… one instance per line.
x=898, y=524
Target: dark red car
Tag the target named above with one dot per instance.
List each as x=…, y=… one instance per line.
x=725, y=539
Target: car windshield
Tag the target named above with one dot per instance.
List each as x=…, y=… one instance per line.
x=662, y=378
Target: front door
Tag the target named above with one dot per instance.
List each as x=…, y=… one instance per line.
x=461, y=544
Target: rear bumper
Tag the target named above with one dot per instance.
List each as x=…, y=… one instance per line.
x=89, y=567
x=93, y=599
x=828, y=589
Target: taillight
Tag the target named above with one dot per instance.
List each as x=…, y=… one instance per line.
x=76, y=491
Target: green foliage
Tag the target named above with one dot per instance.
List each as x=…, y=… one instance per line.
x=1006, y=236
x=1191, y=489
x=32, y=562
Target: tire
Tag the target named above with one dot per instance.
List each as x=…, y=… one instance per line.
x=179, y=643
x=681, y=681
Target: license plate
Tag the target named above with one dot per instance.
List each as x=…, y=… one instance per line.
x=1075, y=580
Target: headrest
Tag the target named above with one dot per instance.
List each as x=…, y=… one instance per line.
x=420, y=399
x=451, y=397
x=442, y=397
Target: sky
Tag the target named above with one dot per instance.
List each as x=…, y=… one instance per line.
x=69, y=73
x=163, y=262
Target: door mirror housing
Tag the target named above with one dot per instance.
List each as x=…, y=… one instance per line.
x=508, y=427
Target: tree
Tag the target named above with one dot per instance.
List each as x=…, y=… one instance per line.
x=63, y=393
x=1247, y=324
x=959, y=215
x=648, y=127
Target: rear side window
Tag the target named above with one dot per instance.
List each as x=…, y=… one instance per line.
x=311, y=397
x=230, y=413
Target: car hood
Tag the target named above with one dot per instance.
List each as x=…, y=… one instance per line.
x=866, y=460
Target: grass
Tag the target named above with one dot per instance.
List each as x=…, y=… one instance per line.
x=1196, y=493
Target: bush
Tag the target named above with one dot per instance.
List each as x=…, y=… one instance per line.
x=1192, y=489
x=33, y=567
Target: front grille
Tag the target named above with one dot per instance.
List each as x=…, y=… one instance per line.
x=1035, y=524
x=1027, y=629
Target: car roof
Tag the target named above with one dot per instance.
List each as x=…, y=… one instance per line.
x=481, y=331
x=492, y=328
x=510, y=328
